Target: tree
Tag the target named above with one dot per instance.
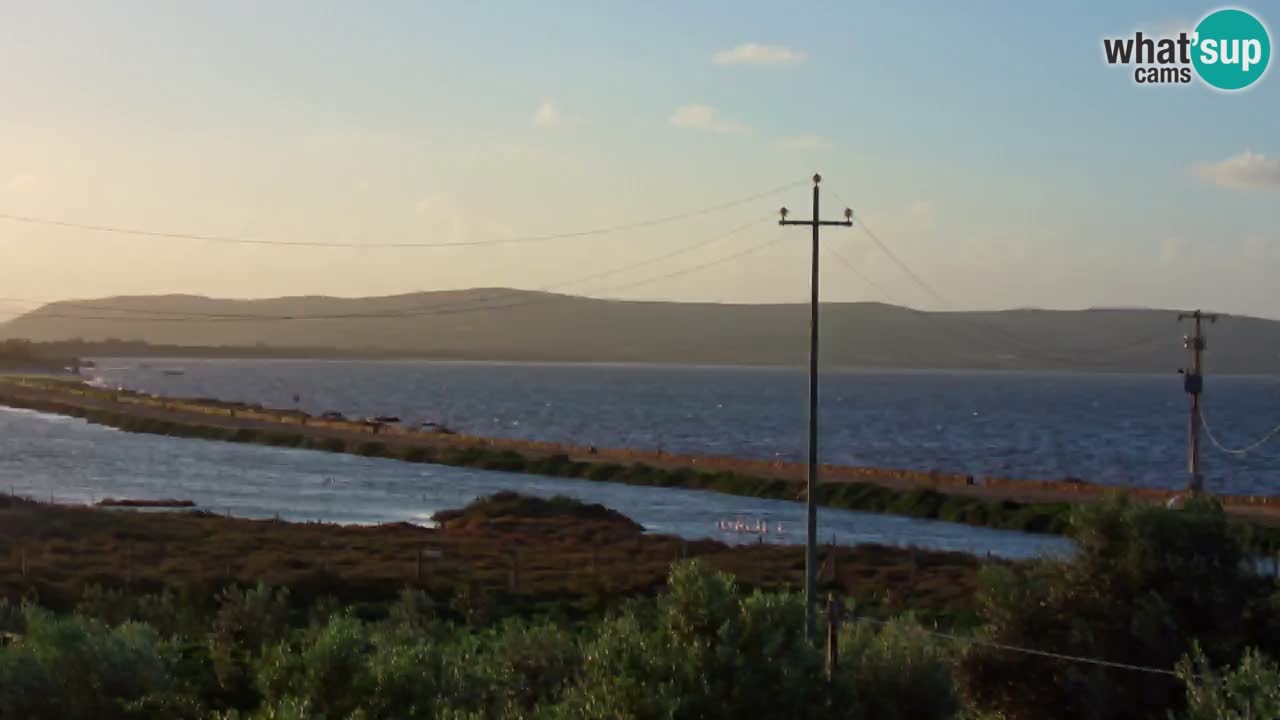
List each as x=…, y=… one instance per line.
x=1249, y=692
x=1145, y=584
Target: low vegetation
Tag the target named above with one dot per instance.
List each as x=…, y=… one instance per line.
x=24, y=356
x=1157, y=616
x=522, y=555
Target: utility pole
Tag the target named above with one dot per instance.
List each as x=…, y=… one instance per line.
x=811, y=475
x=1193, y=383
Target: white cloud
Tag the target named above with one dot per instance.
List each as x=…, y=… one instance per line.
x=20, y=181
x=756, y=54
x=804, y=142
x=1246, y=170
x=548, y=114
x=704, y=117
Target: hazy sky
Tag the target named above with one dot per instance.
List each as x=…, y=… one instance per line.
x=986, y=142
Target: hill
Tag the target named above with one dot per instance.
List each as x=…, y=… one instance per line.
x=502, y=324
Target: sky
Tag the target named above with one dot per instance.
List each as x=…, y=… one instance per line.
x=986, y=143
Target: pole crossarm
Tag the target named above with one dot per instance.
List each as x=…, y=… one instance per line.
x=840, y=223
x=811, y=476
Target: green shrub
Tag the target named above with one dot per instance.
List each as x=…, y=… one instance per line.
x=416, y=454
x=328, y=671
x=413, y=610
x=285, y=439
x=550, y=465
x=246, y=621
x=328, y=444
x=1144, y=585
x=605, y=472
x=245, y=435
x=922, y=503
x=463, y=456
x=11, y=617
x=506, y=461
x=1251, y=691
x=74, y=668
x=372, y=448
x=896, y=671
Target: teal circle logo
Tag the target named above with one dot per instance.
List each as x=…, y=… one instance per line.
x=1231, y=49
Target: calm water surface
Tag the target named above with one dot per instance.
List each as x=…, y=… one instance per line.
x=68, y=460
x=1118, y=429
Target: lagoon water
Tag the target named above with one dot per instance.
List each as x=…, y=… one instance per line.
x=1110, y=428
x=1120, y=429
x=70, y=461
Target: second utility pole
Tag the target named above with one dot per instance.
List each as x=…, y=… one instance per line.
x=811, y=477
x=1193, y=383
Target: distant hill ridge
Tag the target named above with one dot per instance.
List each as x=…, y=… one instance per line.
x=519, y=325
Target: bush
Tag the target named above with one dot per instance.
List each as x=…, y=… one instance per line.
x=416, y=454
x=245, y=623
x=74, y=668
x=605, y=472
x=1145, y=584
x=414, y=610
x=554, y=465
x=506, y=461
x=372, y=448
x=285, y=439
x=1251, y=690
x=12, y=617
x=896, y=671
x=329, y=671
x=328, y=444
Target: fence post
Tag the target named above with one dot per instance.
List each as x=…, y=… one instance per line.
x=833, y=634
x=22, y=560
x=515, y=570
x=418, y=571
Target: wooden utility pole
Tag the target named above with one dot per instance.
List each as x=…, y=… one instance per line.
x=1193, y=383
x=834, y=613
x=811, y=477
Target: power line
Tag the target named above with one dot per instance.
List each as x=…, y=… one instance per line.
x=1028, y=651
x=185, y=315
x=854, y=269
x=1204, y=425
x=650, y=222
x=1028, y=347
x=448, y=308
